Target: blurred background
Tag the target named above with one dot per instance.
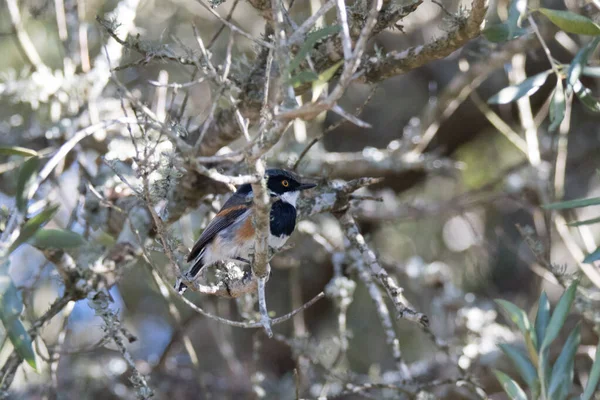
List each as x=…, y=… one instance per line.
x=446, y=231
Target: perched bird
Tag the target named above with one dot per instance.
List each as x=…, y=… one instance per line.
x=230, y=235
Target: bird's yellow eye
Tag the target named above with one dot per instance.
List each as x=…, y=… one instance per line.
x=285, y=183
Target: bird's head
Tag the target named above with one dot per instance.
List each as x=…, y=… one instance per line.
x=285, y=185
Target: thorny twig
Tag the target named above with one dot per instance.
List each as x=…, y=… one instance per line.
x=368, y=268
x=99, y=301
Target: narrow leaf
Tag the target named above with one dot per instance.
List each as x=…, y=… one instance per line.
x=522, y=363
x=499, y=33
x=519, y=317
x=542, y=318
x=571, y=22
x=324, y=77
x=104, y=239
x=32, y=226
x=592, y=201
x=594, y=256
x=56, y=238
x=526, y=88
x=592, y=382
x=558, y=106
x=544, y=370
x=21, y=341
x=303, y=77
x=515, y=15
x=312, y=39
x=585, y=96
x=585, y=222
x=17, y=151
x=579, y=61
x=562, y=372
x=560, y=314
x=11, y=303
x=512, y=388
x=26, y=177
x=496, y=33
x=594, y=72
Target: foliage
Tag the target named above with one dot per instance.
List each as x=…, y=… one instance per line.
x=543, y=380
x=579, y=203
x=568, y=22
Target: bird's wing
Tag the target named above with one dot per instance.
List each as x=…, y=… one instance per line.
x=232, y=210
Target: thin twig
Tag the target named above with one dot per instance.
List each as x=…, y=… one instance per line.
x=234, y=27
x=332, y=127
x=345, y=32
x=499, y=124
x=307, y=25
x=23, y=41
x=516, y=76
x=213, y=40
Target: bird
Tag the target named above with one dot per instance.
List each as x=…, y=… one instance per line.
x=230, y=234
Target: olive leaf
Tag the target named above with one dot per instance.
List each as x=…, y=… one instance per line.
x=526, y=88
x=570, y=22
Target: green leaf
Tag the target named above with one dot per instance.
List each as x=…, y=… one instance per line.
x=21, y=341
x=517, y=10
x=17, y=151
x=579, y=61
x=592, y=382
x=57, y=239
x=585, y=96
x=558, y=106
x=560, y=314
x=32, y=226
x=312, y=39
x=104, y=239
x=324, y=77
x=519, y=317
x=594, y=256
x=571, y=22
x=303, y=77
x=522, y=363
x=526, y=88
x=496, y=33
x=499, y=33
x=542, y=318
x=585, y=222
x=26, y=178
x=562, y=372
x=512, y=388
x=577, y=203
x=594, y=72
x=544, y=370
x=11, y=303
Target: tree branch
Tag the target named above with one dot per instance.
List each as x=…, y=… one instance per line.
x=399, y=62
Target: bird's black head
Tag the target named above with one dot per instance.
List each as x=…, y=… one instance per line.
x=280, y=182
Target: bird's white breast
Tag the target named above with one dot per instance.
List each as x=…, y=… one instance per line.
x=277, y=242
x=290, y=197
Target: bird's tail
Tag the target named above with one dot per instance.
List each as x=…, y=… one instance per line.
x=180, y=286
x=190, y=276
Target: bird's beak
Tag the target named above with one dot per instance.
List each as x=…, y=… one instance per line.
x=305, y=186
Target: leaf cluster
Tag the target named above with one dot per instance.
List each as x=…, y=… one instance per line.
x=567, y=76
x=31, y=231
x=545, y=381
